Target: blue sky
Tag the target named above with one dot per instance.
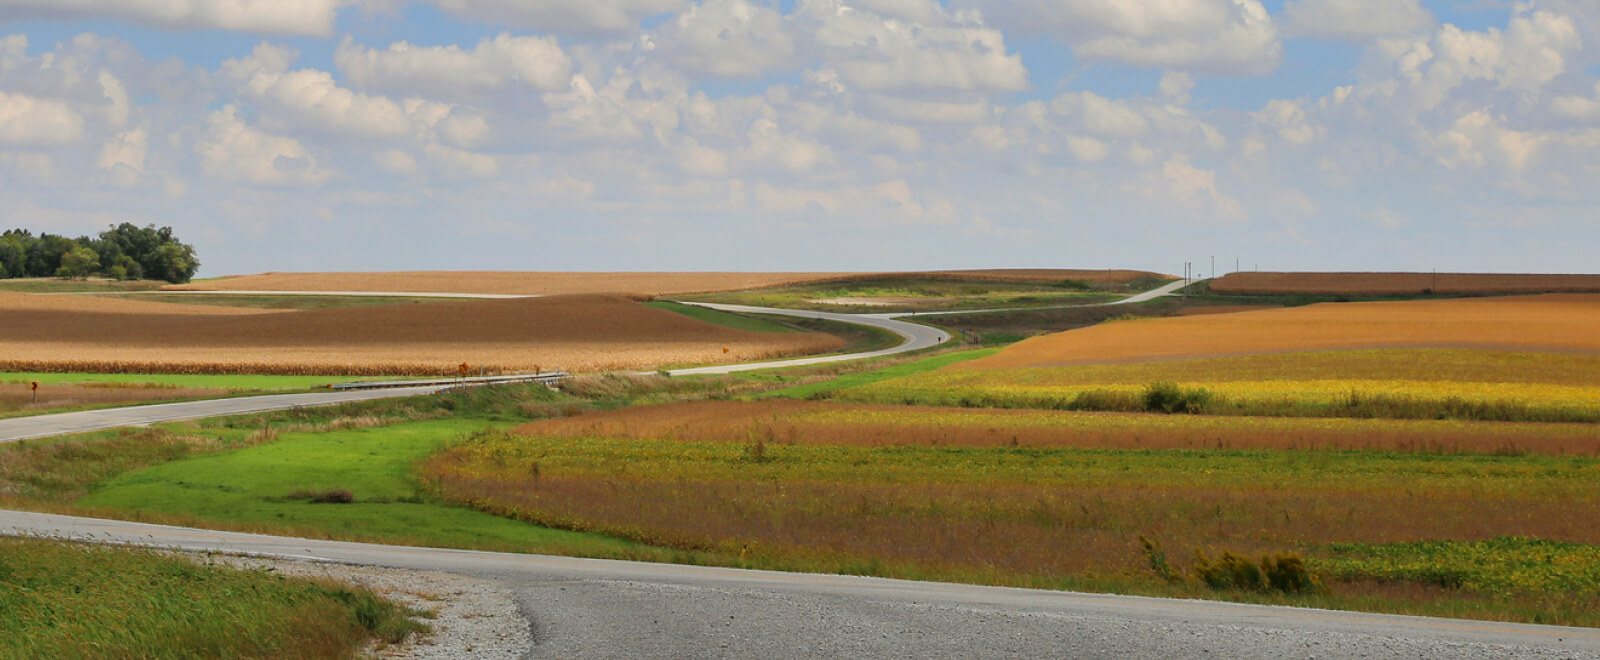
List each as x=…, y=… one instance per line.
x=812, y=134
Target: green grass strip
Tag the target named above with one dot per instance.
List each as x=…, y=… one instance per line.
x=735, y=321
x=63, y=600
x=267, y=487
x=847, y=381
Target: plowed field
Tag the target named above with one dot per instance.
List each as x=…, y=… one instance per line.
x=1562, y=322
x=1401, y=283
x=579, y=333
x=640, y=284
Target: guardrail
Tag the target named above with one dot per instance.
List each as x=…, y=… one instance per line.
x=550, y=378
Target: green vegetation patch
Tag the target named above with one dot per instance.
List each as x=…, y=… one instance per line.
x=262, y=487
x=846, y=381
x=63, y=600
x=726, y=319
x=1502, y=565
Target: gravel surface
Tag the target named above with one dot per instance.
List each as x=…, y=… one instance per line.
x=471, y=617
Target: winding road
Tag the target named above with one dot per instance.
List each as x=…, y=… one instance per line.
x=599, y=608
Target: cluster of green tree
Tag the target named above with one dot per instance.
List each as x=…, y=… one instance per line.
x=124, y=252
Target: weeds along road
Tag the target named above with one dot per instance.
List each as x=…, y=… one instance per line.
x=40, y=426
x=595, y=608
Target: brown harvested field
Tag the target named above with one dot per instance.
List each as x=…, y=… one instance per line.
x=578, y=333
x=1555, y=322
x=635, y=284
x=1357, y=284
x=824, y=423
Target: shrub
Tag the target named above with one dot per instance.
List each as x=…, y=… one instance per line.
x=1168, y=397
x=1284, y=573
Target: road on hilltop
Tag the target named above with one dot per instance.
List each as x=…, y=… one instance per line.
x=591, y=607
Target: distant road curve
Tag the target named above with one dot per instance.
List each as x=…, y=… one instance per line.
x=914, y=337
x=40, y=426
x=600, y=608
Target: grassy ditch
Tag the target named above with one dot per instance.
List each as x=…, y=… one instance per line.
x=63, y=600
x=267, y=473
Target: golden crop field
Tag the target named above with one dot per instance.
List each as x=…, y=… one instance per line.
x=826, y=423
x=578, y=333
x=1400, y=283
x=1559, y=322
x=638, y=284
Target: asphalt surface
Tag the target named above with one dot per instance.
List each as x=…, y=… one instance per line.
x=39, y=426
x=600, y=608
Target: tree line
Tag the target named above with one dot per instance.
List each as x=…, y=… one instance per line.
x=124, y=252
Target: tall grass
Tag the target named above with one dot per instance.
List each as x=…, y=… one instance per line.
x=63, y=600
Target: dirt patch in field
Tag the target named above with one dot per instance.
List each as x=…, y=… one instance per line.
x=1354, y=284
x=579, y=333
x=1561, y=322
x=637, y=284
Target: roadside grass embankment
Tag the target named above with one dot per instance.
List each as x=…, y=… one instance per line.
x=894, y=504
x=73, y=392
x=265, y=473
x=65, y=600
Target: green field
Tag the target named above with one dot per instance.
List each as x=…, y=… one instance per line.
x=62, y=285
x=63, y=600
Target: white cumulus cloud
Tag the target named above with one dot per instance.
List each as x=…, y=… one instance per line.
x=26, y=121
x=579, y=16
x=449, y=71
x=308, y=17
x=1355, y=20
x=727, y=38
x=1218, y=36
x=232, y=150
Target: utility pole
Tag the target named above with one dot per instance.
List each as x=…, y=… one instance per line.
x=1213, y=265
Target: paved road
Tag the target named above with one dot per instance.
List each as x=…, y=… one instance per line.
x=39, y=426
x=598, y=608
x=914, y=337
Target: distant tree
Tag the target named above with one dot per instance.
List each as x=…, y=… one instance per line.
x=14, y=253
x=78, y=262
x=173, y=262
x=124, y=251
x=157, y=253
x=44, y=255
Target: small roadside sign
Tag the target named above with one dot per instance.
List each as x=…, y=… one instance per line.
x=35, y=386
